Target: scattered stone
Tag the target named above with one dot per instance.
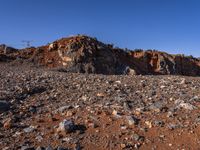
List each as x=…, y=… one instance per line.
x=137, y=137
x=6, y=148
x=126, y=106
x=40, y=148
x=186, y=106
x=17, y=134
x=170, y=114
x=159, y=123
x=183, y=81
x=195, y=98
x=139, y=110
x=119, y=82
x=49, y=148
x=39, y=138
x=100, y=94
x=172, y=126
x=130, y=71
x=67, y=139
x=144, y=129
x=157, y=106
x=197, y=119
x=61, y=148
x=123, y=127
x=132, y=120
x=116, y=114
x=162, y=136
x=4, y=106
x=27, y=148
x=33, y=109
x=63, y=109
x=123, y=146
x=170, y=144
x=69, y=113
x=137, y=146
x=162, y=86
x=93, y=125
x=77, y=147
x=149, y=124
x=29, y=129
x=8, y=123
x=178, y=101
x=66, y=126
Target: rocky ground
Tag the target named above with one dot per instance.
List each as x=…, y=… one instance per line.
x=47, y=109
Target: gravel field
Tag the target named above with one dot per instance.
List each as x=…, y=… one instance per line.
x=47, y=109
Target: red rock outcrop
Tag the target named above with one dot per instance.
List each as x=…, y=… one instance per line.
x=155, y=62
x=84, y=54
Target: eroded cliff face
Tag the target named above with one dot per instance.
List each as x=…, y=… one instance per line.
x=154, y=62
x=187, y=66
x=84, y=54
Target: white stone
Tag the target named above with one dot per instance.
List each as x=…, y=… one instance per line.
x=66, y=126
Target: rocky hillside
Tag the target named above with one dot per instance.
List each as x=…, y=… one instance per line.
x=83, y=54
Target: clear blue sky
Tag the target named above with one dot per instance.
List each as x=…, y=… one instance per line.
x=169, y=25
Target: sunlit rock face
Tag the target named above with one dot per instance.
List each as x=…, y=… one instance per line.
x=83, y=54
